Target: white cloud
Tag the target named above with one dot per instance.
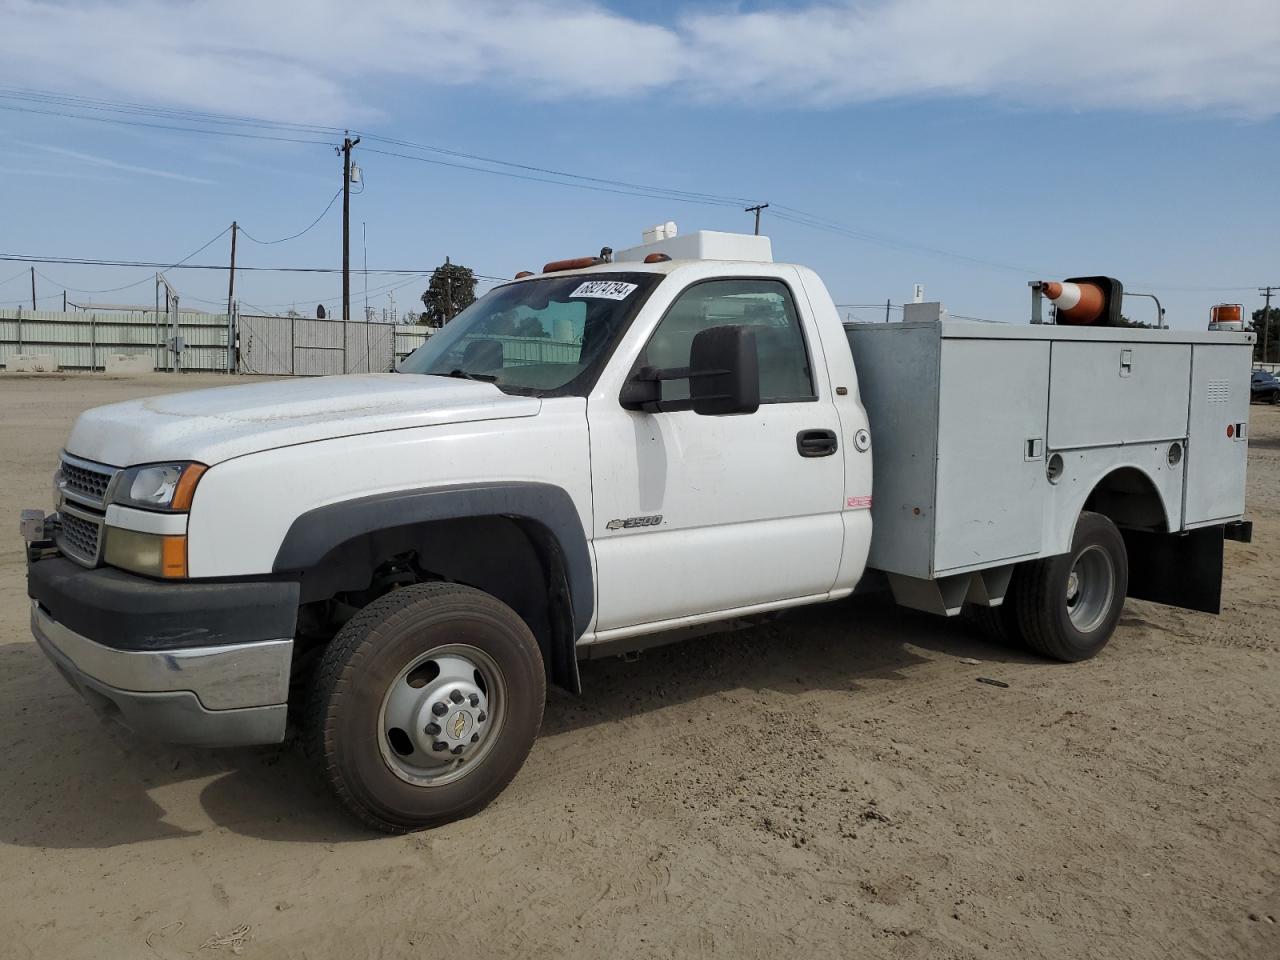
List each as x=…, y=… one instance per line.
x=314, y=60
x=97, y=161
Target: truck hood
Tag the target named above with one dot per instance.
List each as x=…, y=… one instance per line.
x=225, y=422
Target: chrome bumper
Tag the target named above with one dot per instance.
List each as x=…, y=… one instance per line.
x=210, y=696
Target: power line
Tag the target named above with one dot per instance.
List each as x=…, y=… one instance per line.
x=562, y=183
x=377, y=291
x=266, y=243
x=20, y=273
x=215, y=124
x=691, y=195
x=163, y=126
x=137, y=283
x=792, y=215
x=582, y=181
x=135, y=109
x=95, y=262
x=514, y=170
x=31, y=95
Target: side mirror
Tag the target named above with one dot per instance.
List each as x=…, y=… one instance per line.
x=724, y=371
x=723, y=375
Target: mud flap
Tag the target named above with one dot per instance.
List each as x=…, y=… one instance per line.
x=1177, y=569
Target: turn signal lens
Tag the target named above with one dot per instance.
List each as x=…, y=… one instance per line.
x=173, y=556
x=186, y=488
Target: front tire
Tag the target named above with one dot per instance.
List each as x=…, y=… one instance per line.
x=1068, y=606
x=425, y=705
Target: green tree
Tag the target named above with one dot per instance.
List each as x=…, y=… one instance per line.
x=1126, y=322
x=531, y=327
x=452, y=289
x=1268, y=332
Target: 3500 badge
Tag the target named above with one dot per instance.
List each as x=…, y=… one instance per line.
x=632, y=522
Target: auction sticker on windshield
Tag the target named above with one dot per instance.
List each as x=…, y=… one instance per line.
x=605, y=289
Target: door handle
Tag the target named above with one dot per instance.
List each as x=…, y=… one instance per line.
x=816, y=443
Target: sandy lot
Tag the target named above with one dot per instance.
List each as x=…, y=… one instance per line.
x=835, y=782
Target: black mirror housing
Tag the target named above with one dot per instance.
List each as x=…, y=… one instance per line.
x=723, y=375
x=724, y=371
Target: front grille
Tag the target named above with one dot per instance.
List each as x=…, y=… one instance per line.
x=86, y=481
x=78, y=538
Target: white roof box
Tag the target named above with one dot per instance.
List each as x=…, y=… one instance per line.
x=703, y=245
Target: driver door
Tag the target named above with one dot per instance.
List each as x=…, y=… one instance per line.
x=696, y=515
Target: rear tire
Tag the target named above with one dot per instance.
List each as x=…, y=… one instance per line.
x=997, y=623
x=425, y=705
x=1068, y=606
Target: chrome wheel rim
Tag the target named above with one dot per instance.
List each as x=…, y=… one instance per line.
x=442, y=714
x=1091, y=587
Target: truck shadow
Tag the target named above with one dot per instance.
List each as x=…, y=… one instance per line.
x=71, y=780
x=836, y=646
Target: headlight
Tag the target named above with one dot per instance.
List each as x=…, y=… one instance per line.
x=151, y=554
x=57, y=490
x=159, y=486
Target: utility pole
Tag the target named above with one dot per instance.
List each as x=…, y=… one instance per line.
x=345, y=150
x=231, y=293
x=887, y=304
x=756, y=210
x=448, y=291
x=1266, y=318
x=33, y=289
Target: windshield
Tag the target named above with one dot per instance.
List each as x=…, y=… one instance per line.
x=545, y=337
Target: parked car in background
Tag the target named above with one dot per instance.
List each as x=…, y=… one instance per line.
x=1264, y=387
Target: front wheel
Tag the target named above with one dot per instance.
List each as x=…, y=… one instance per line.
x=426, y=704
x=1068, y=606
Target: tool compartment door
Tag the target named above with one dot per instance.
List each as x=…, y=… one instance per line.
x=1107, y=392
x=991, y=420
x=1215, y=461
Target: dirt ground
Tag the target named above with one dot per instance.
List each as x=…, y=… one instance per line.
x=836, y=782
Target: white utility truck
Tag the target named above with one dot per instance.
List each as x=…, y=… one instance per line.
x=600, y=457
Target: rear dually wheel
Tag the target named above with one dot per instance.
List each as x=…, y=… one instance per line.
x=1068, y=606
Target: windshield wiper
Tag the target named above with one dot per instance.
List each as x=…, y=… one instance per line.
x=464, y=375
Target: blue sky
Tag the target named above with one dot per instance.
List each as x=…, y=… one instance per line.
x=1041, y=139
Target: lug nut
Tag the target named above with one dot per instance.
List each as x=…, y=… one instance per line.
x=475, y=700
x=475, y=738
x=458, y=748
x=481, y=717
x=439, y=745
x=456, y=696
x=440, y=709
x=431, y=729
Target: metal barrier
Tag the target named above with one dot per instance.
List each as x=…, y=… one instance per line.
x=84, y=340
x=279, y=346
x=304, y=347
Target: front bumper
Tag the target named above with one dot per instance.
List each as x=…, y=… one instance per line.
x=193, y=663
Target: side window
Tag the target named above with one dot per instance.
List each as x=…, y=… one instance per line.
x=765, y=305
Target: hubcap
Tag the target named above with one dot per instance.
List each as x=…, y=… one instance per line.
x=1091, y=588
x=441, y=714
